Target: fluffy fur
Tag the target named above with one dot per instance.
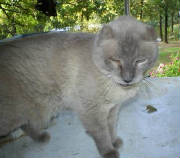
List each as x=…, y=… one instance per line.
x=93, y=74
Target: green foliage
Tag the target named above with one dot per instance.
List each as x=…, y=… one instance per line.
x=170, y=69
x=21, y=16
x=18, y=17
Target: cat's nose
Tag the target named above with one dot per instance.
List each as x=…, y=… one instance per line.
x=127, y=80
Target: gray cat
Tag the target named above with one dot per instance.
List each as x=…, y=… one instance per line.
x=93, y=74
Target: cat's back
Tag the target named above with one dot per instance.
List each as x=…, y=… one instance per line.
x=32, y=69
x=36, y=60
x=42, y=41
x=38, y=50
x=26, y=58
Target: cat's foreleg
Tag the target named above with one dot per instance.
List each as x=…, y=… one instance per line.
x=96, y=124
x=112, y=123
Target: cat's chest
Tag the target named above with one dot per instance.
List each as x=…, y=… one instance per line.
x=94, y=90
x=120, y=95
x=115, y=94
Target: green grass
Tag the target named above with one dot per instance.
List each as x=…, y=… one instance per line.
x=164, y=54
x=166, y=50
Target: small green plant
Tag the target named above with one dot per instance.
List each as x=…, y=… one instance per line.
x=168, y=70
x=175, y=34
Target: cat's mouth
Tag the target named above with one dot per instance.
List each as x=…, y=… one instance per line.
x=126, y=85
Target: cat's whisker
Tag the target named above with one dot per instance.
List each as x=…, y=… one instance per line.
x=152, y=85
x=146, y=83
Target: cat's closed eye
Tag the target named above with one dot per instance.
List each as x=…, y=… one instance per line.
x=140, y=61
x=117, y=61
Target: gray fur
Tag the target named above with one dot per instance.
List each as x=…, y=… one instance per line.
x=41, y=74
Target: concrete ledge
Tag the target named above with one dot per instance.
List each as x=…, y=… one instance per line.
x=146, y=133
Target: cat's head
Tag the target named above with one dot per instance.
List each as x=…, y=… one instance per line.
x=125, y=49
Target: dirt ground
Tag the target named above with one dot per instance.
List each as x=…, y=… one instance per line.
x=170, y=44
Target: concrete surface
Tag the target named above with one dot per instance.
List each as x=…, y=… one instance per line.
x=145, y=135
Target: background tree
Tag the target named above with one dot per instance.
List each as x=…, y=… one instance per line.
x=48, y=7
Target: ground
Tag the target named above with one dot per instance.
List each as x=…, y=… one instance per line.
x=165, y=50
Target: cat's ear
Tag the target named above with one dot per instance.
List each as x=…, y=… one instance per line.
x=151, y=33
x=106, y=33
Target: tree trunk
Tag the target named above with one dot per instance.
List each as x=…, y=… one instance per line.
x=126, y=7
x=48, y=7
x=166, y=24
x=82, y=24
x=160, y=27
x=172, y=22
x=141, y=13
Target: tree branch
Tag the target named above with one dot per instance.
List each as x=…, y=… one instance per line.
x=13, y=11
x=13, y=5
x=4, y=11
x=25, y=11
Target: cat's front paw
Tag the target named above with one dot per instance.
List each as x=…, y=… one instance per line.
x=111, y=154
x=118, y=143
x=44, y=137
